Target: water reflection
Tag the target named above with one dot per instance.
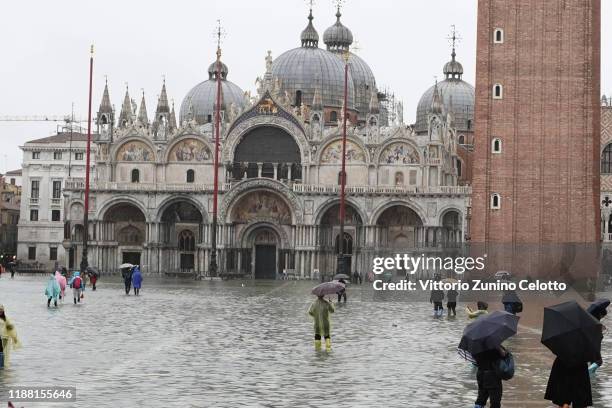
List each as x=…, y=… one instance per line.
x=221, y=344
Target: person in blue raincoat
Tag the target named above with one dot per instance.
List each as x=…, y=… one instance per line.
x=78, y=286
x=136, y=280
x=52, y=291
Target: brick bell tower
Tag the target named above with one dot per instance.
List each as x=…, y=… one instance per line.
x=535, y=204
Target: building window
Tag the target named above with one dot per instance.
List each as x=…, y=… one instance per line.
x=57, y=155
x=469, y=124
x=340, y=178
x=13, y=181
x=498, y=36
x=35, y=190
x=459, y=169
x=298, y=98
x=186, y=241
x=496, y=145
x=53, y=253
x=498, y=91
x=78, y=156
x=55, y=215
x=606, y=160
x=333, y=116
x=190, y=176
x=209, y=118
x=32, y=253
x=399, y=178
x=461, y=139
x=33, y=215
x=135, y=176
x=35, y=155
x=495, y=201
x=57, y=189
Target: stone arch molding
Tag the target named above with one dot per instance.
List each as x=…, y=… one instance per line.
x=323, y=208
x=236, y=134
x=177, y=198
x=408, y=204
x=250, y=228
x=389, y=143
x=116, y=149
x=123, y=199
x=247, y=186
x=446, y=209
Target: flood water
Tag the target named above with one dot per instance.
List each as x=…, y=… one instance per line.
x=222, y=344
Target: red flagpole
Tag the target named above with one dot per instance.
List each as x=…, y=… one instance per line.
x=84, y=260
x=213, y=254
x=341, y=262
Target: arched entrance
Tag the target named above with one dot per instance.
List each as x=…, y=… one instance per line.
x=398, y=228
x=125, y=225
x=261, y=220
x=181, y=231
x=330, y=237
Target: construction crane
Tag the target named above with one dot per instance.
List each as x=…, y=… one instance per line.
x=42, y=118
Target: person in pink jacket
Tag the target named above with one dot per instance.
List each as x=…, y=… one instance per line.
x=61, y=280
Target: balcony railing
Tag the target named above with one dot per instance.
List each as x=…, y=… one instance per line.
x=298, y=188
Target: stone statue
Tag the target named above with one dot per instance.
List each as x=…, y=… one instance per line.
x=400, y=112
x=269, y=62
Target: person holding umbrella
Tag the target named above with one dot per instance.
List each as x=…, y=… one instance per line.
x=512, y=303
x=574, y=336
x=482, y=339
x=126, y=274
x=341, y=278
x=598, y=309
x=320, y=311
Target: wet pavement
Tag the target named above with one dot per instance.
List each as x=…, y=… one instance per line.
x=222, y=344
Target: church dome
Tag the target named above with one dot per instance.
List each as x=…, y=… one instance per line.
x=306, y=68
x=200, y=100
x=457, y=97
x=338, y=38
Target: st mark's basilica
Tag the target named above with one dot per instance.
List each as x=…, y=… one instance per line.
x=280, y=160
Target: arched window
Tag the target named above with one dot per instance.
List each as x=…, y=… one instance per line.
x=496, y=145
x=462, y=139
x=399, y=178
x=298, y=98
x=606, y=160
x=495, y=201
x=333, y=116
x=186, y=241
x=104, y=120
x=190, y=176
x=340, y=178
x=135, y=176
x=459, y=169
x=498, y=36
x=348, y=244
x=498, y=91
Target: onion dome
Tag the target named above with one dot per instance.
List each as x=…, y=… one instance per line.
x=199, y=102
x=338, y=37
x=302, y=70
x=310, y=37
x=456, y=96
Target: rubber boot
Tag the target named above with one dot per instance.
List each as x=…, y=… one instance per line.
x=49, y=302
x=55, y=303
x=328, y=344
x=317, y=345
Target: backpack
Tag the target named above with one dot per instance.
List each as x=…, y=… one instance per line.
x=505, y=367
x=76, y=283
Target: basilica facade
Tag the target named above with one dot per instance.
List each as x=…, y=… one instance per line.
x=279, y=163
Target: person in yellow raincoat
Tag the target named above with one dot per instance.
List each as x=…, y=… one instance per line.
x=8, y=338
x=320, y=311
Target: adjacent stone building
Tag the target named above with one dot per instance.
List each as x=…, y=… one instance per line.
x=280, y=158
x=535, y=204
x=47, y=164
x=10, y=198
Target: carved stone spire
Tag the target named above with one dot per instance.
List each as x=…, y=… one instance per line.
x=125, y=117
x=142, y=112
x=374, y=106
x=172, y=118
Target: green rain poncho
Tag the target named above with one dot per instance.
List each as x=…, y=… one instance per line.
x=320, y=310
x=53, y=288
x=8, y=336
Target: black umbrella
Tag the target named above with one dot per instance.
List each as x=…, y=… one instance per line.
x=571, y=333
x=341, y=276
x=488, y=332
x=598, y=307
x=511, y=297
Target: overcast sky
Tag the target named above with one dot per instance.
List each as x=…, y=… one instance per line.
x=45, y=49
